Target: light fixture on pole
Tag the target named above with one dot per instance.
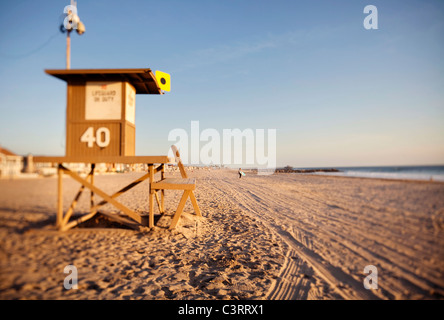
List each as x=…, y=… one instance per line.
x=71, y=22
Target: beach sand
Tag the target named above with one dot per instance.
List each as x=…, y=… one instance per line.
x=283, y=236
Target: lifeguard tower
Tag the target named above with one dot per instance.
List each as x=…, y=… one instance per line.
x=101, y=109
x=100, y=128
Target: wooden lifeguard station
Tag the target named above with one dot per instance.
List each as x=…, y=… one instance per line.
x=100, y=128
x=100, y=113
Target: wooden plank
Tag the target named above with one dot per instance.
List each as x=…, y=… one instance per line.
x=84, y=72
x=162, y=192
x=175, y=184
x=76, y=198
x=159, y=169
x=158, y=201
x=179, y=161
x=104, y=159
x=75, y=106
x=151, y=191
x=182, y=170
x=93, y=166
x=179, y=210
x=59, y=218
x=135, y=216
x=72, y=206
x=78, y=221
x=195, y=205
x=130, y=137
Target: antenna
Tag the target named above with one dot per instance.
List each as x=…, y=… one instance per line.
x=71, y=22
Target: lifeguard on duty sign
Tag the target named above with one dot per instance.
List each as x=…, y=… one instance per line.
x=104, y=101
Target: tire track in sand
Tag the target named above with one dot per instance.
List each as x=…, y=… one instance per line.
x=288, y=286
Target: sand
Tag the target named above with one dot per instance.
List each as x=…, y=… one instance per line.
x=284, y=236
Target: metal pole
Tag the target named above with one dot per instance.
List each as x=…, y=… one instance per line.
x=68, y=50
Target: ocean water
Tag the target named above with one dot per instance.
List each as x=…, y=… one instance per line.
x=435, y=173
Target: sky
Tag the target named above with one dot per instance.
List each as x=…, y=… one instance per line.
x=336, y=93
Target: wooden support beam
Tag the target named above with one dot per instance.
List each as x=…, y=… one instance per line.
x=162, y=192
x=93, y=166
x=59, y=218
x=72, y=206
x=135, y=216
x=151, y=198
x=179, y=210
x=78, y=221
x=123, y=190
x=159, y=169
x=175, y=184
x=104, y=159
x=76, y=199
x=158, y=201
x=195, y=205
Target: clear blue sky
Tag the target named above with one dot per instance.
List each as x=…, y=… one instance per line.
x=337, y=94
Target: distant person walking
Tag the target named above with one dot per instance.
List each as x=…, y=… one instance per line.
x=241, y=173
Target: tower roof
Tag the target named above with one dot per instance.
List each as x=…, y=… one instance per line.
x=143, y=80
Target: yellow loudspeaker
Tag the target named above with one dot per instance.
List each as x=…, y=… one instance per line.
x=163, y=79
